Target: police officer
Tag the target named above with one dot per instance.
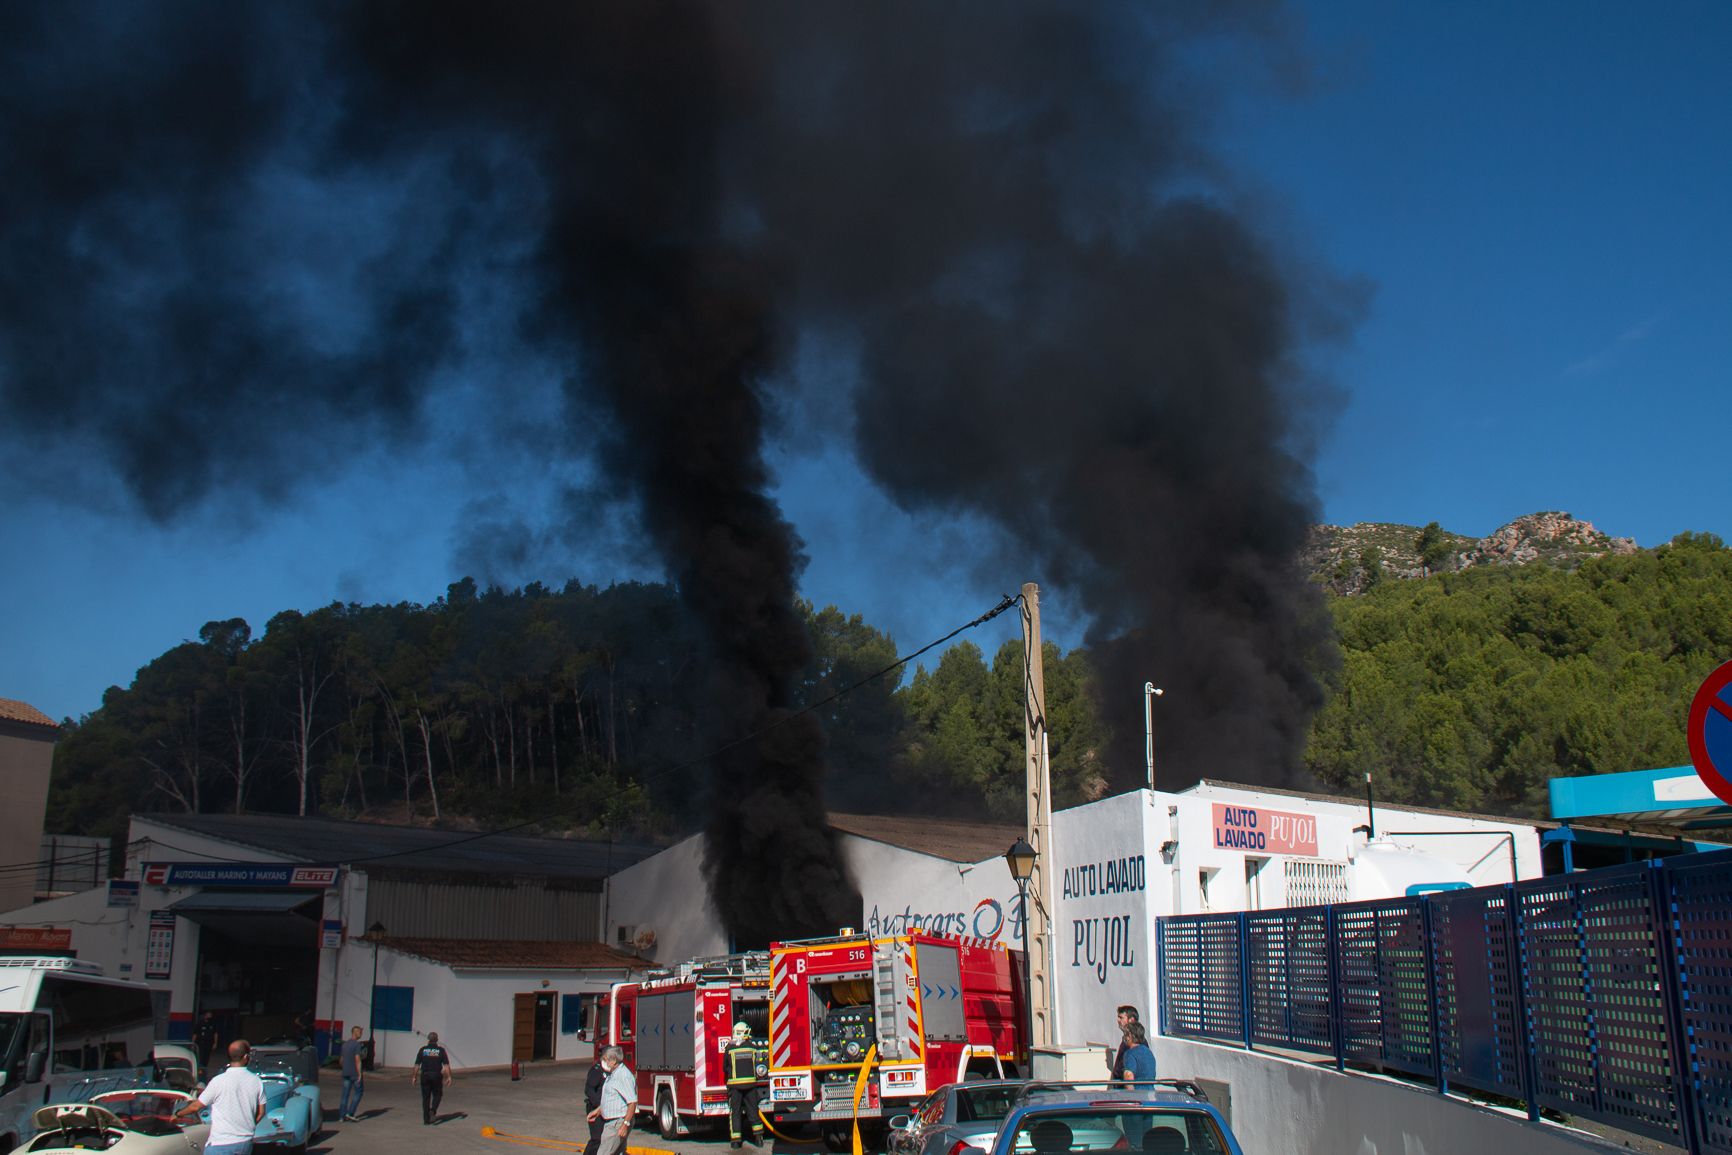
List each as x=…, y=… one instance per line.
x=745, y=1066
x=433, y=1068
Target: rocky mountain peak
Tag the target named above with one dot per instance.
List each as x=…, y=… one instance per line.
x=1350, y=559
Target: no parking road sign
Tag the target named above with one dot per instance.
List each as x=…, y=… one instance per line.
x=1710, y=732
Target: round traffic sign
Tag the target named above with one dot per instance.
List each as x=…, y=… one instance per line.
x=1710, y=732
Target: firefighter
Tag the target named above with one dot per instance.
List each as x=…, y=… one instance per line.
x=745, y=1065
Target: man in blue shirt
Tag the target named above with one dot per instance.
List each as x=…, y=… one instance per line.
x=618, y=1102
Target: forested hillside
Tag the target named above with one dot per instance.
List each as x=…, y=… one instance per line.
x=571, y=707
x=1470, y=689
x=574, y=708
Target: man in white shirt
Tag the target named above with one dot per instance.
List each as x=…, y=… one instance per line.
x=236, y=1099
x=618, y=1102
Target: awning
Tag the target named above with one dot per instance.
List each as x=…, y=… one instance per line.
x=1674, y=800
x=230, y=902
x=271, y=918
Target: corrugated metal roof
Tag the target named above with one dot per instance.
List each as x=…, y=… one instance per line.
x=475, y=954
x=947, y=838
x=15, y=711
x=418, y=848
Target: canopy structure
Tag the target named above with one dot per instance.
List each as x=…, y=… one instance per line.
x=1660, y=811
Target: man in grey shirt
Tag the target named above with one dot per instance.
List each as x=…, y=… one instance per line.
x=354, y=1047
x=618, y=1102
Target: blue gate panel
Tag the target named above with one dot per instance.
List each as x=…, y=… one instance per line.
x=1701, y=898
x=1592, y=951
x=1480, y=1034
x=1288, y=954
x=1200, y=978
x=1381, y=964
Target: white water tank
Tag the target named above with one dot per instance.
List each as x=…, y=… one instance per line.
x=1382, y=869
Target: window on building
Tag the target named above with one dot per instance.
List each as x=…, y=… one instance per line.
x=1204, y=879
x=393, y=1008
x=1312, y=882
x=570, y=1014
x=1254, y=883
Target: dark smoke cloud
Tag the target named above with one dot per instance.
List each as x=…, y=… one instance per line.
x=1065, y=330
x=240, y=243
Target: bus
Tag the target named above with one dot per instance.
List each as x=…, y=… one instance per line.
x=67, y=1032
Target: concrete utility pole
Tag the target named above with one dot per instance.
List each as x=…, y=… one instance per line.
x=1039, y=906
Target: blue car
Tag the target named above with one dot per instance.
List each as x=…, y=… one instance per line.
x=1168, y=1117
x=292, y=1109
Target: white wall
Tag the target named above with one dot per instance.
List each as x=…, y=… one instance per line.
x=667, y=893
x=902, y=890
x=1107, y=892
x=471, y=1010
x=1484, y=854
x=1284, y=1105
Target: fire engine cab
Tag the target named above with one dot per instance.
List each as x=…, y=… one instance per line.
x=928, y=1010
x=673, y=1026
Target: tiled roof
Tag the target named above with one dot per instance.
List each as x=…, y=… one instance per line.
x=13, y=711
x=416, y=848
x=946, y=838
x=479, y=955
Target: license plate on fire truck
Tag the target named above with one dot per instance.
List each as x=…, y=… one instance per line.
x=791, y=1088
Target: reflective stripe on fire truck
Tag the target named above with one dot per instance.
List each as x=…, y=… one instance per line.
x=781, y=1028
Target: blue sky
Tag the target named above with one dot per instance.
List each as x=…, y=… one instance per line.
x=1536, y=197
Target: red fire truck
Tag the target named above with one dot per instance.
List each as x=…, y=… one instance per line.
x=673, y=1026
x=936, y=1008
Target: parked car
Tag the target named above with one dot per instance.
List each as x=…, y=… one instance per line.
x=176, y=1065
x=1169, y=1117
x=292, y=1109
x=131, y=1122
x=296, y=1054
x=954, y=1116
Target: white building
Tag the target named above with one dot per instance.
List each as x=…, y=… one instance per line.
x=1122, y=862
x=498, y=941
x=494, y=942
x=1130, y=859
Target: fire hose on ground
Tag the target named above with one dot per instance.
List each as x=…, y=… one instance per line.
x=860, y=1083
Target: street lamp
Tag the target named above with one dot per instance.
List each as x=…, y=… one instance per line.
x=373, y=932
x=1150, y=693
x=1020, y=858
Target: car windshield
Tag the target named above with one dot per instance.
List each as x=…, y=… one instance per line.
x=277, y=1064
x=983, y=1104
x=1154, y=1130
x=136, y=1105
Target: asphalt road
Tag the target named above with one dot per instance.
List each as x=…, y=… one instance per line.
x=546, y=1104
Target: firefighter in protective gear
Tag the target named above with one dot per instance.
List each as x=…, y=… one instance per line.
x=745, y=1065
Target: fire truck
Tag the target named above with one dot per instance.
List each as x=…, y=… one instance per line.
x=673, y=1026
x=928, y=1009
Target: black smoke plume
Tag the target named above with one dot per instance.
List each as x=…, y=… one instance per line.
x=241, y=244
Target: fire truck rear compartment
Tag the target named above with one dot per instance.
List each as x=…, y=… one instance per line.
x=840, y=1011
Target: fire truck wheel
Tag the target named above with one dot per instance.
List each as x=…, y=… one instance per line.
x=667, y=1120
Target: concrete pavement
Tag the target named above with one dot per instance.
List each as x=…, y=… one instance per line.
x=547, y=1103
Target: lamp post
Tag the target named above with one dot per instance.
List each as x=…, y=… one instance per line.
x=1020, y=858
x=373, y=932
x=1150, y=693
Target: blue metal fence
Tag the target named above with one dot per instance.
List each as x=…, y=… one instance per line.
x=1604, y=994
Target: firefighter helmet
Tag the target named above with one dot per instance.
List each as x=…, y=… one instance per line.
x=742, y=1031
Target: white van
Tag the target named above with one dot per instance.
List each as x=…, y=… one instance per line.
x=67, y=1032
